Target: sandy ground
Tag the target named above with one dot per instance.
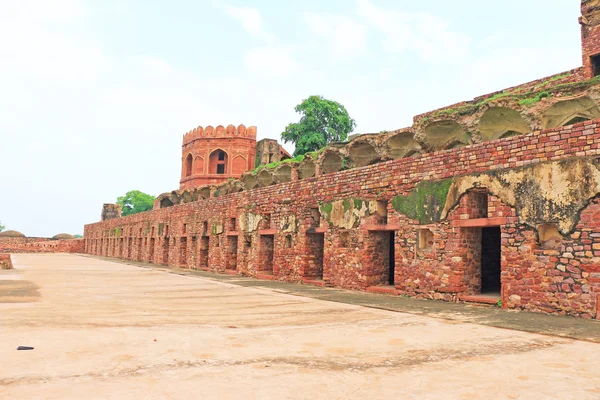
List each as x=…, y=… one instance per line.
x=107, y=330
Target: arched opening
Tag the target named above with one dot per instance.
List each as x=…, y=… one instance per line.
x=189, y=161
x=569, y=112
x=306, y=169
x=402, y=145
x=499, y=122
x=199, y=166
x=363, y=154
x=218, y=162
x=239, y=165
x=331, y=162
x=446, y=134
x=576, y=120
x=166, y=202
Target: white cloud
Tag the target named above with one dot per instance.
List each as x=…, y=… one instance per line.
x=271, y=61
x=427, y=35
x=346, y=36
x=251, y=20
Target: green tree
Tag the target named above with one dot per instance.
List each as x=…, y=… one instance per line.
x=135, y=202
x=78, y=236
x=323, y=121
x=1, y=227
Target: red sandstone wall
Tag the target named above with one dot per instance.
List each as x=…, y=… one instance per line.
x=566, y=280
x=41, y=245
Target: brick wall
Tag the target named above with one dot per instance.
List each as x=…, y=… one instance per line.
x=5, y=261
x=564, y=280
x=41, y=245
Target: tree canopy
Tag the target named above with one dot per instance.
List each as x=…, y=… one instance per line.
x=1, y=226
x=135, y=202
x=322, y=122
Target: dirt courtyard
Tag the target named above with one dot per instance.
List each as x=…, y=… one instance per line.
x=107, y=330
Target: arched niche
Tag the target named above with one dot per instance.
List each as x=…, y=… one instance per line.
x=498, y=122
x=217, y=162
x=306, y=169
x=186, y=196
x=266, y=178
x=331, y=161
x=235, y=186
x=249, y=181
x=166, y=202
x=239, y=165
x=445, y=134
x=362, y=154
x=199, y=166
x=402, y=145
x=570, y=111
x=189, y=163
x=283, y=173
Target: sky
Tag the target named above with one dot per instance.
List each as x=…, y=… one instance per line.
x=96, y=95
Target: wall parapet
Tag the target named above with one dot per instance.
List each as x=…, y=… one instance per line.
x=219, y=132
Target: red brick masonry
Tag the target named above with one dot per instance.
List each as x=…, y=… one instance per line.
x=40, y=245
x=293, y=242
x=5, y=261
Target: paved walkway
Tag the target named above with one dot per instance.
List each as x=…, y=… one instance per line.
x=104, y=329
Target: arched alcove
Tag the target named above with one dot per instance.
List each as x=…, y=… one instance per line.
x=189, y=162
x=166, y=202
x=306, y=169
x=362, y=154
x=445, y=134
x=498, y=122
x=199, y=166
x=239, y=165
x=402, y=145
x=569, y=112
x=217, y=162
x=283, y=173
x=331, y=162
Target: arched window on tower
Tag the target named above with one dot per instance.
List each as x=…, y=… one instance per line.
x=218, y=162
x=189, y=161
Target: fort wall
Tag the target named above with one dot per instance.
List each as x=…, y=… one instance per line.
x=40, y=245
x=408, y=226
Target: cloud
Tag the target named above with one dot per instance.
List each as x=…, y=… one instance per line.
x=271, y=61
x=427, y=35
x=346, y=36
x=251, y=20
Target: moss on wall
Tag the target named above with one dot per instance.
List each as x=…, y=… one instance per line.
x=425, y=203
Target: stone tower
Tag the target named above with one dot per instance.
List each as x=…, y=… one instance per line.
x=213, y=155
x=590, y=37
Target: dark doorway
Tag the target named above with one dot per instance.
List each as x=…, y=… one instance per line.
x=151, y=250
x=183, y=252
x=595, y=61
x=392, y=258
x=266, y=255
x=315, y=244
x=232, y=250
x=165, y=254
x=203, y=253
x=140, y=247
x=491, y=241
